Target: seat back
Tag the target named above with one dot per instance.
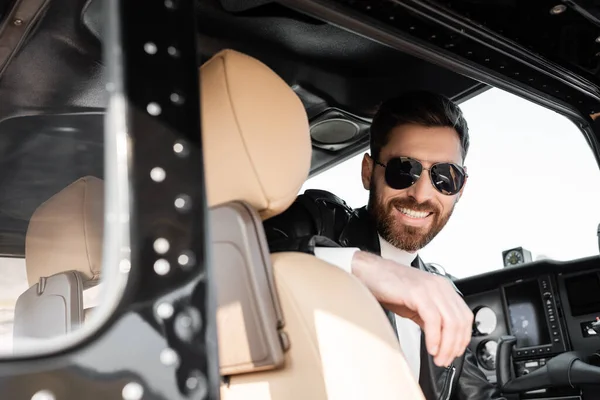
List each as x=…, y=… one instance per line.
x=246, y=292
x=63, y=258
x=289, y=325
x=50, y=308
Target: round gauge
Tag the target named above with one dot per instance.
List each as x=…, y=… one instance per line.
x=486, y=354
x=485, y=321
x=513, y=257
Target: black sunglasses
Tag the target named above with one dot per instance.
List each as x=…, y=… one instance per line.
x=403, y=172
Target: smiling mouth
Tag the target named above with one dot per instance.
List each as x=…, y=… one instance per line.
x=413, y=213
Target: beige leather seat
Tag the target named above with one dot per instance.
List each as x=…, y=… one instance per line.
x=65, y=233
x=63, y=258
x=334, y=340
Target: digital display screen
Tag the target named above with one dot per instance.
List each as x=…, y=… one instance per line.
x=583, y=292
x=526, y=314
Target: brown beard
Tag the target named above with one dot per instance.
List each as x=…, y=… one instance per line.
x=408, y=238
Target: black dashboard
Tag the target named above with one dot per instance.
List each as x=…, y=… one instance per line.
x=548, y=307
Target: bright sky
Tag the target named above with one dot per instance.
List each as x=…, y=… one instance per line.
x=533, y=182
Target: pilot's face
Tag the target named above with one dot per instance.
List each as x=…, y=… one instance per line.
x=410, y=218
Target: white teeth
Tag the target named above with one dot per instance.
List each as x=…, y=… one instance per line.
x=413, y=213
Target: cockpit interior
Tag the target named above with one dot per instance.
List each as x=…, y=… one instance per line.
x=536, y=331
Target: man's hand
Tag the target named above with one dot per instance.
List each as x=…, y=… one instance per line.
x=427, y=299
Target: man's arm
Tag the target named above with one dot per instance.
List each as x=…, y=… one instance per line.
x=428, y=300
x=341, y=257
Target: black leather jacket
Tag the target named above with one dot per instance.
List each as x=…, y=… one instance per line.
x=319, y=218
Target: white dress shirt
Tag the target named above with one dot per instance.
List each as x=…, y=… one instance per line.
x=409, y=333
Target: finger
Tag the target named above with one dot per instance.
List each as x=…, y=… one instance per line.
x=432, y=326
x=464, y=328
x=451, y=332
x=469, y=317
x=453, y=324
x=445, y=326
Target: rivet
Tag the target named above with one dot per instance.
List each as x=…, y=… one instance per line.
x=197, y=381
x=132, y=391
x=124, y=266
x=412, y=28
x=153, y=109
x=170, y=4
x=43, y=395
x=183, y=259
x=180, y=148
x=186, y=320
x=433, y=36
x=176, y=98
x=502, y=67
x=598, y=39
x=183, y=202
x=165, y=310
x=162, y=267
x=172, y=51
x=187, y=324
x=487, y=60
x=559, y=9
x=17, y=22
x=158, y=174
x=469, y=52
x=169, y=357
x=161, y=245
x=516, y=74
x=391, y=18
x=150, y=48
x=368, y=7
x=192, y=382
x=186, y=259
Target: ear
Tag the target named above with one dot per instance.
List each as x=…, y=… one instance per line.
x=367, y=171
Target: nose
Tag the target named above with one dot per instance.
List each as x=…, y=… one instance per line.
x=422, y=190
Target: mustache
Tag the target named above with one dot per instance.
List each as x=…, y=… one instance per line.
x=409, y=202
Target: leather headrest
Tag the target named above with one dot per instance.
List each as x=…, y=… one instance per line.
x=255, y=134
x=65, y=232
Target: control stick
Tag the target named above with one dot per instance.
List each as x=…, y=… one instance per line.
x=567, y=369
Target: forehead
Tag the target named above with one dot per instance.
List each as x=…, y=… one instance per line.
x=427, y=144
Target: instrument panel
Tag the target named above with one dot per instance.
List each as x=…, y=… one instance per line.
x=546, y=306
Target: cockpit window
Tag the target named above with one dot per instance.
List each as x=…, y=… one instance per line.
x=533, y=190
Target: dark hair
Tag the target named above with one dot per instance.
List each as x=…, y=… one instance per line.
x=419, y=108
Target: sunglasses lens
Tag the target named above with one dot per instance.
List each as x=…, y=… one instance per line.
x=402, y=173
x=447, y=178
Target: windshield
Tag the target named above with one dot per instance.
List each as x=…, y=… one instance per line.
x=533, y=184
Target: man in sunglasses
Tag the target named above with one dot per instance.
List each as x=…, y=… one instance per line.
x=415, y=175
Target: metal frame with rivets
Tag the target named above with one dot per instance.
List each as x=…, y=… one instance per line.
x=159, y=341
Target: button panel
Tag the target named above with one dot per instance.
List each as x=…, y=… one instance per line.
x=555, y=345
x=550, y=310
